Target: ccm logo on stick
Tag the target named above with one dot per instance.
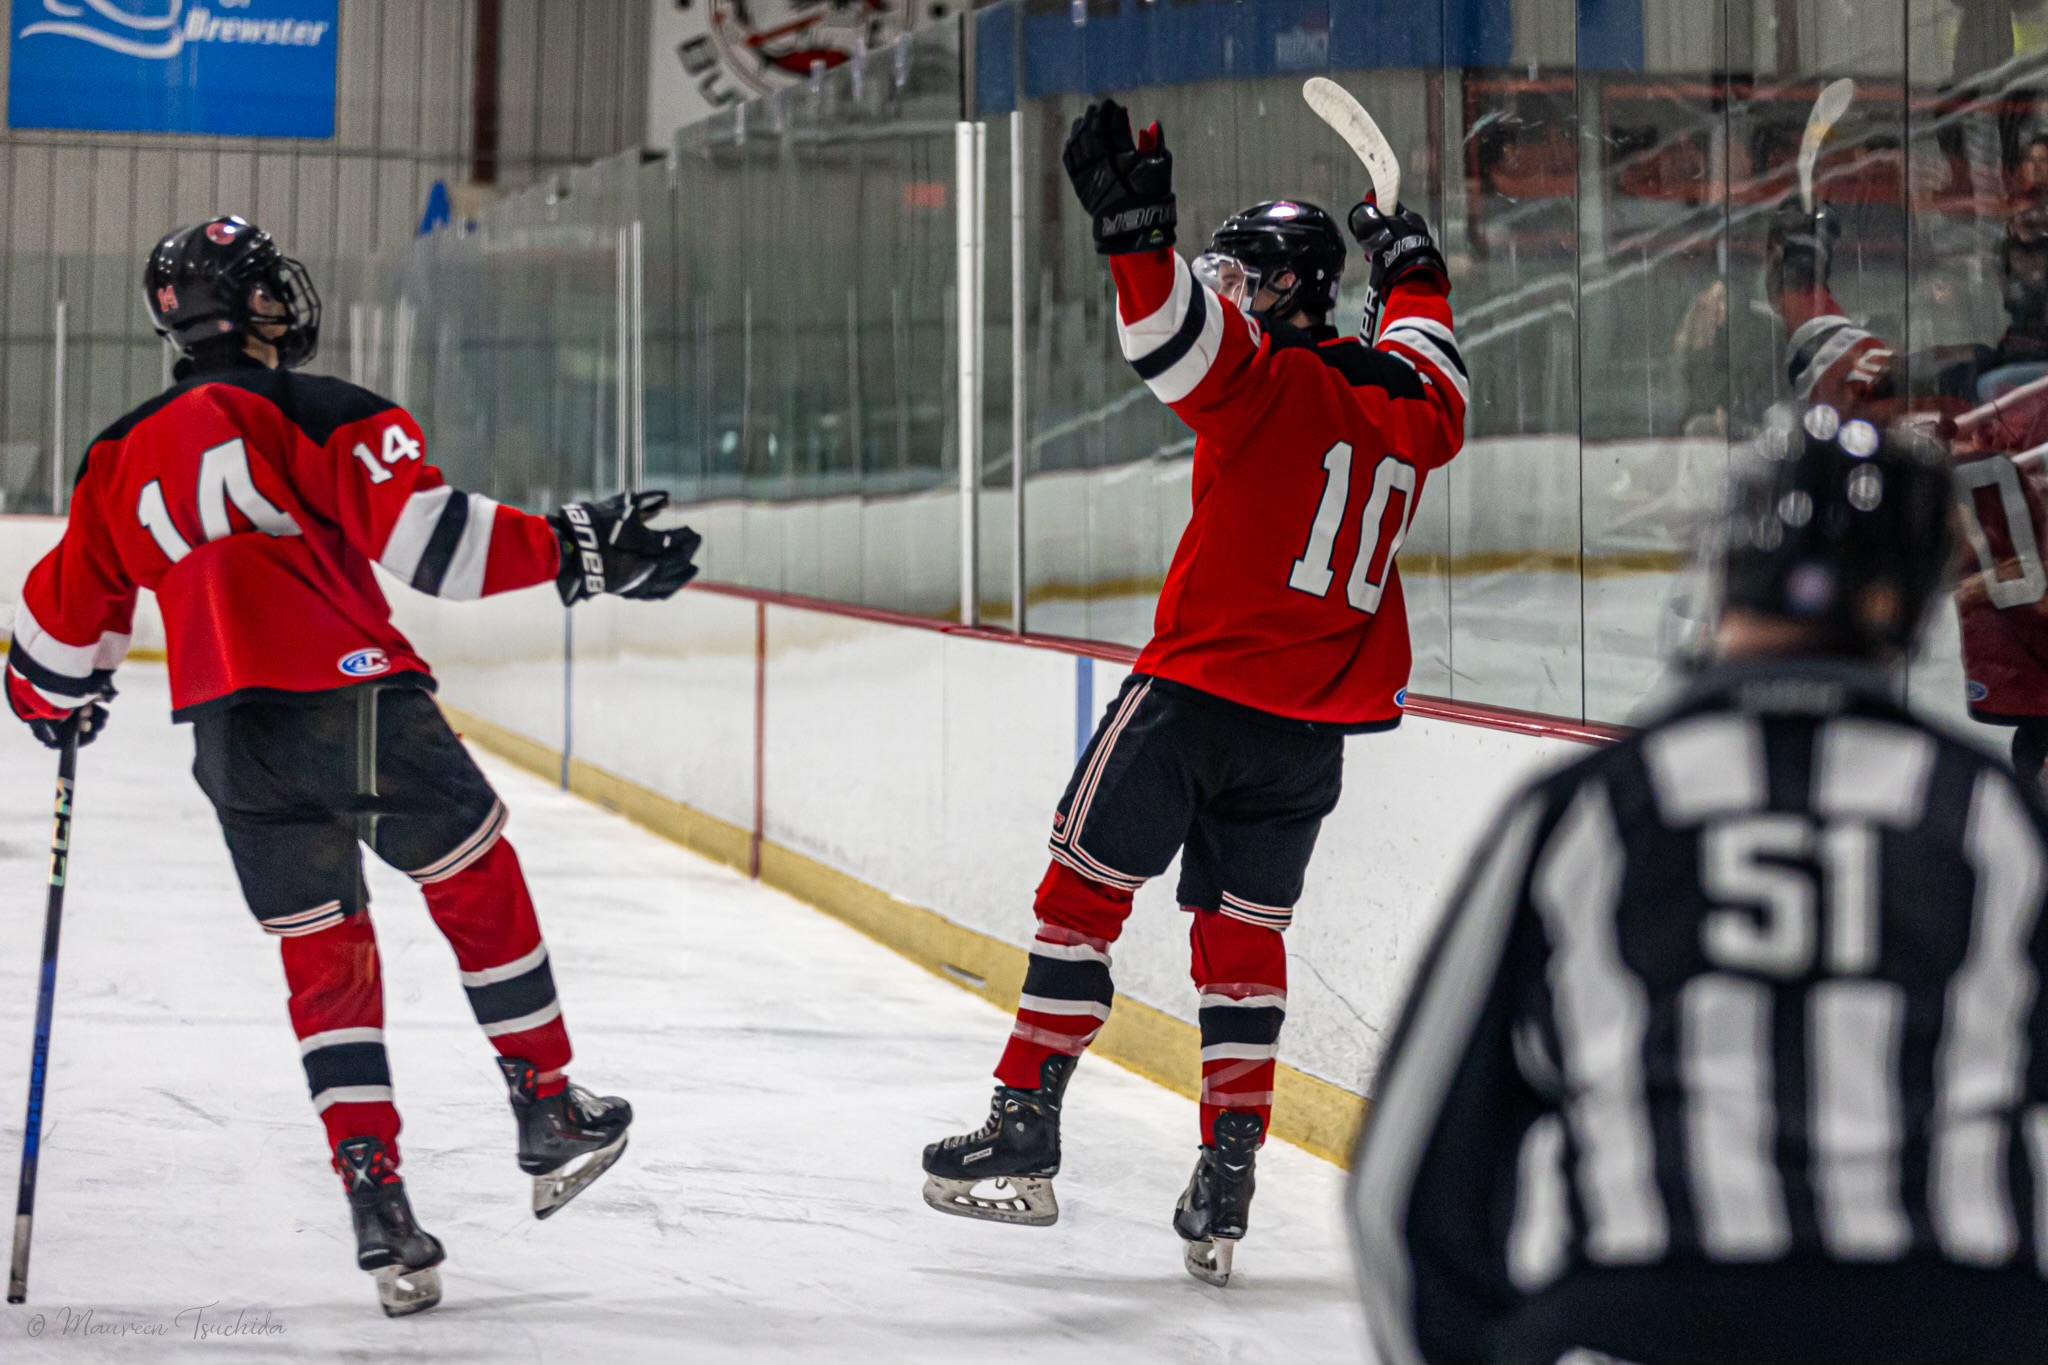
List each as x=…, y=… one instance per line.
x=365, y=663
x=586, y=537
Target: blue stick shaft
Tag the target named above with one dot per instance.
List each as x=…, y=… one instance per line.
x=46, y=996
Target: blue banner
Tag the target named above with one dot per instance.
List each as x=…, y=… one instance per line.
x=1109, y=45
x=236, y=68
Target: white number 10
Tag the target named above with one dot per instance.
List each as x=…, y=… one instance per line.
x=1312, y=573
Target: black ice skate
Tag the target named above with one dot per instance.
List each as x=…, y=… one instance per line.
x=1003, y=1171
x=567, y=1140
x=389, y=1243
x=1212, y=1213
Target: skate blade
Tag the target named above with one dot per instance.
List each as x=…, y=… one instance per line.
x=403, y=1292
x=1209, y=1261
x=564, y=1183
x=1023, y=1200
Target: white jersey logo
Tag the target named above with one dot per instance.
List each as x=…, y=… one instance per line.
x=164, y=35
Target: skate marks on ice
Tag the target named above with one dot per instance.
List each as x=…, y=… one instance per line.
x=785, y=1074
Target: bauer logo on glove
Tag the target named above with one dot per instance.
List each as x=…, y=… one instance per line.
x=586, y=545
x=609, y=547
x=1125, y=183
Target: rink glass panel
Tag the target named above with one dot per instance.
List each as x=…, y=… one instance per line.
x=79, y=210
x=1601, y=178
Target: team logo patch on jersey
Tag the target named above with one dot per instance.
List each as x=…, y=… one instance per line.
x=365, y=663
x=1401, y=697
x=1975, y=690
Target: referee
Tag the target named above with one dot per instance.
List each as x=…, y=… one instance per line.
x=1731, y=1049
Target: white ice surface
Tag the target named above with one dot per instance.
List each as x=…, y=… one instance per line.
x=785, y=1072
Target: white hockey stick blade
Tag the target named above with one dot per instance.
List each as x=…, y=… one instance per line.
x=1335, y=106
x=1834, y=102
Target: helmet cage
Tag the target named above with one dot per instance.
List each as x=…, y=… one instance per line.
x=289, y=283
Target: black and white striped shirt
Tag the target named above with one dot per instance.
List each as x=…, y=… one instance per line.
x=1759, y=986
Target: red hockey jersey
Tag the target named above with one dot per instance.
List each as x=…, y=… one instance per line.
x=1310, y=455
x=1991, y=402
x=253, y=501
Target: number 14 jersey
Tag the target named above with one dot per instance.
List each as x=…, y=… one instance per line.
x=253, y=502
x=1310, y=454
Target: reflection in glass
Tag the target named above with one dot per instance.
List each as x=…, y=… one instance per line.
x=1610, y=184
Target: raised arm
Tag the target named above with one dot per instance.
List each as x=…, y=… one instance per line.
x=1194, y=349
x=1408, y=316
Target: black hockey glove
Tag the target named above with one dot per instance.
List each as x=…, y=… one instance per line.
x=88, y=720
x=1800, y=248
x=1126, y=185
x=609, y=547
x=1397, y=246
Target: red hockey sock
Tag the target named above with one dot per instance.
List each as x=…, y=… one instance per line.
x=1067, y=992
x=337, y=1009
x=483, y=909
x=1241, y=971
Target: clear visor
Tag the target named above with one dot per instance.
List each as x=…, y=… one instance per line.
x=1231, y=278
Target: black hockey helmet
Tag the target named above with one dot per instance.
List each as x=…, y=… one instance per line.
x=201, y=284
x=1841, y=524
x=1266, y=242
x=2023, y=266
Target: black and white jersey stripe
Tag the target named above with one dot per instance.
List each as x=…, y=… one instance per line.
x=1759, y=985
x=64, y=674
x=1813, y=349
x=441, y=543
x=1176, y=345
x=1430, y=340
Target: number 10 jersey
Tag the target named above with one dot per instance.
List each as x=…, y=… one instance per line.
x=1311, y=450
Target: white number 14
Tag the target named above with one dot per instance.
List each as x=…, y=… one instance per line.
x=223, y=478
x=1312, y=573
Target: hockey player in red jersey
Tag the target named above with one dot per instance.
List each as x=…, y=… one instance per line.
x=1991, y=406
x=1280, y=630
x=253, y=501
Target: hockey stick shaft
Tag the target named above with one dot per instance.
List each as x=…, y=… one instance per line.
x=366, y=785
x=46, y=995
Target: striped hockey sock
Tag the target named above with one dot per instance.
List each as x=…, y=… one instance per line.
x=1067, y=991
x=484, y=910
x=1240, y=968
x=337, y=1011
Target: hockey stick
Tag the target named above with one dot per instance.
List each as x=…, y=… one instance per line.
x=366, y=785
x=1834, y=102
x=46, y=991
x=1335, y=106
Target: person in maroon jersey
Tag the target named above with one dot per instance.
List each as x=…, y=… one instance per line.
x=253, y=500
x=1990, y=404
x=1280, y=630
